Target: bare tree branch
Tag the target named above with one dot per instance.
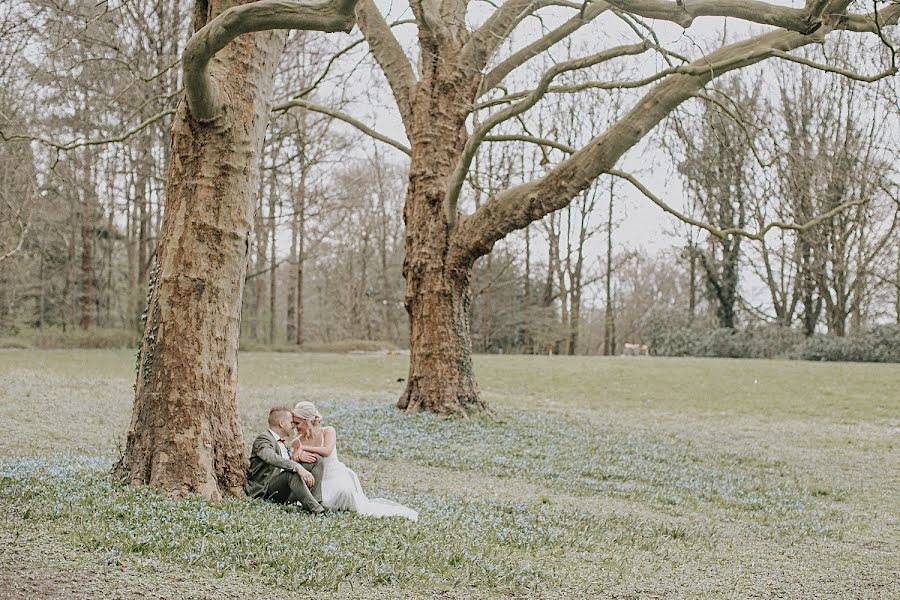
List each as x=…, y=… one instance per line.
x=23, y=233
x=24, y=226
x=696, y=68
x=98, y=142
x=516, y=207
x=722, y=233
x=389, y=56
x=203, y=96
x=829, y=69
x=345, y=118
x=471, y=147
x=484, y=41
x=805, y=20
x=517, y=59
x=530, y=139
x=872, y=22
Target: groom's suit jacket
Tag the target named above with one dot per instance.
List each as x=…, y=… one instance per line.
x=265, y=462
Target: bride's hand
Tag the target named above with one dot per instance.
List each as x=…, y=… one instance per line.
x=306, y=457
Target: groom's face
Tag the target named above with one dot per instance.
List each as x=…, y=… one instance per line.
x=284, y=424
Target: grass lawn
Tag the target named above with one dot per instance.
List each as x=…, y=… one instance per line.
x=618, y=478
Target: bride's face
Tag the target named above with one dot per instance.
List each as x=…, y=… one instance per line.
x=304, y=428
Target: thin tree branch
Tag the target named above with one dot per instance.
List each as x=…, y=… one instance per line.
x=517, y=59
x=345, y=118
x=696, y=68
x=829, y=69
x=98, y=142
x=335, y=57
x=731, y=231
x=530, y=139
x=22, y=235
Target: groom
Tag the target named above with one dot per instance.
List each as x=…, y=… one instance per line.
x=274, y=476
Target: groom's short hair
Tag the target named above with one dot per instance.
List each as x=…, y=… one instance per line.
x=275, y=414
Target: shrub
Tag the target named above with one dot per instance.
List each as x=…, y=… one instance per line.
x=878, y=344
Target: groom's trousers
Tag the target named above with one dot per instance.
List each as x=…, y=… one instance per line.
x=287, y=488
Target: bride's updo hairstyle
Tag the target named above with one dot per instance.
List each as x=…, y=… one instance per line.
x=306, y=411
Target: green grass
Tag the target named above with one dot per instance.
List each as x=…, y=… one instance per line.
x=595, y=478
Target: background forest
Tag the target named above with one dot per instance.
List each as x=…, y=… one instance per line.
x=87, y=94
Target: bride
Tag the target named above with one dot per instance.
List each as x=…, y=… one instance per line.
x=340, y=485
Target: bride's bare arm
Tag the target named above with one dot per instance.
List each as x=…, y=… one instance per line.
x=328, y=444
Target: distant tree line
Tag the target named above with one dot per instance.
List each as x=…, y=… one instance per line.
x=79, y=220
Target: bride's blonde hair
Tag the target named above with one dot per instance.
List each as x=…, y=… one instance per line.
x=307, y=412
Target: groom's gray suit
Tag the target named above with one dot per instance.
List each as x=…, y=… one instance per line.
x=272, y=476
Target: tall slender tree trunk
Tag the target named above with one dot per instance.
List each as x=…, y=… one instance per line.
x=301, y=255
x=273, y=255
x=108, y=260
x=388, y=328
x=42, y=294
x=185, y=435
x=692, y=284
x=261, y=240
x=87, y=231
x=526, y=334
x=291, y=325
x=144, y=216
x=609, y=323
x=87, y=259
x=897, y=286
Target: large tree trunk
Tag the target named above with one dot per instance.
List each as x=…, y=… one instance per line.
x=441, y=375
x=438, y=297
x=185, y=436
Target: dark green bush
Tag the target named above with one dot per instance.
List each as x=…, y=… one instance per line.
x=878, y=344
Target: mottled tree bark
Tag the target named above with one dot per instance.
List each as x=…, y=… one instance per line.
x=438, y=296
x=185, y=436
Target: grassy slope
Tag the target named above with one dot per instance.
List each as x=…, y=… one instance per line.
x=618, y=477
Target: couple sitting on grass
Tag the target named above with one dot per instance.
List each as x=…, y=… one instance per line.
x=310, y=473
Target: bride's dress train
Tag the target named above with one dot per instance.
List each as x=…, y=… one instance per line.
x=341, y=491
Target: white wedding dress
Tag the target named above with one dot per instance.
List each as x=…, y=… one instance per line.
x=341, y=491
